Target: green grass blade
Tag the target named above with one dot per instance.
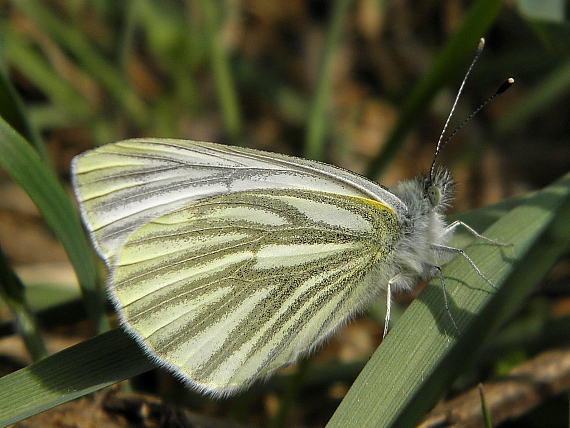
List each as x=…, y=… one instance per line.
x=484, y=409
x=25, y=166
x=12, y=293
x=317, y=128
x=225, y=85
x=12, y=108
x=69, y=374
x=423, y=353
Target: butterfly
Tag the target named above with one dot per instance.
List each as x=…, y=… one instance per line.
x=228, y=263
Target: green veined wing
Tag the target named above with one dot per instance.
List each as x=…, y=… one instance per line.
x=228, y=289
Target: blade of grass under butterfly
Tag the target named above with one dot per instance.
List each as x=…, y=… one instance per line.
x=423, y=352
x=69, y=374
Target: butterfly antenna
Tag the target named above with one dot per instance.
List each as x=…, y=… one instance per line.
x=440, y=143
x=504, y=86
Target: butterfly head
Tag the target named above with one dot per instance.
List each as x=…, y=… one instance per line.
x=438, y=189
x=426, y=193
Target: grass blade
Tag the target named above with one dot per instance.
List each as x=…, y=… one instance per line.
x=423, y=353
x=25, y=166
x=69, y=374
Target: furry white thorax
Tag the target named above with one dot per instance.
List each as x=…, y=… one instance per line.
x=419, y=254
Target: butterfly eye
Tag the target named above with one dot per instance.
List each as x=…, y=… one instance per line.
x=434, y=195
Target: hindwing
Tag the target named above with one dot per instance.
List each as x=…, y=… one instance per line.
x=230, y=288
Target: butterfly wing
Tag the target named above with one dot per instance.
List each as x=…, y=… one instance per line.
x=230, y=288
x=122, y=186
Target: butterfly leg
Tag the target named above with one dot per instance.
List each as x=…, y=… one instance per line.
x=398, y=282
x=397, y=278
x=451, y=228
x=464, y=254
x=445, y=298
x=388, y=306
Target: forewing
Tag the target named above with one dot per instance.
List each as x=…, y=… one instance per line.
x=231, y=288
x=122, y=186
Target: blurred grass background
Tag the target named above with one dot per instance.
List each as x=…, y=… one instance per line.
x=364, y=84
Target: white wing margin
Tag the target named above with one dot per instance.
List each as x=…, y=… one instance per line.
x=124, y=185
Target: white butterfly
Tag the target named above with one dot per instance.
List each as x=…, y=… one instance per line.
x=228, y=263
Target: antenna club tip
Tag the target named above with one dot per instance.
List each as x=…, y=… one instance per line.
x=481, y=43
x=506, y=85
